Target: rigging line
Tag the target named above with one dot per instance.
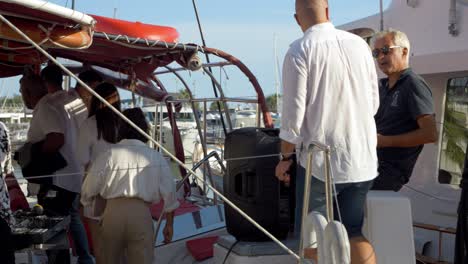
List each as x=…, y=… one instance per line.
x=427, y=194
x=208, y=61
x=94, y=172
x=259, y=156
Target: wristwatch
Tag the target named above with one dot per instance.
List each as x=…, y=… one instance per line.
x=285, y=157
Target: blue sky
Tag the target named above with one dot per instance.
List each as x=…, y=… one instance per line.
x=244, y=28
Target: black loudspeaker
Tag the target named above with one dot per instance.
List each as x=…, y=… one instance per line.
x=252, y=186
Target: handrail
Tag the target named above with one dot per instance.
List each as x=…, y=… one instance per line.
x=329, y=202
x=441, y=230
x=198, y=164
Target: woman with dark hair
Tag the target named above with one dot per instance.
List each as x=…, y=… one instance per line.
x=96, y=134
x=131, y=176
x=138, y=117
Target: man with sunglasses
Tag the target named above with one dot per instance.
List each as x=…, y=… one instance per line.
x=405, y=119
x=330, y=95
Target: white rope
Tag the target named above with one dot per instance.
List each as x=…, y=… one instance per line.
x=118, y=113
x=48, y=32
x=149, y=43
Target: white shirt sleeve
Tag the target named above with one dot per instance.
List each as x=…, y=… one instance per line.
x=53, y=119
x=374, y=84
x=92, y=185
x=167, y=185
x=294, y=98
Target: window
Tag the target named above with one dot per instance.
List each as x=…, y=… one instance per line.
x=455, y=132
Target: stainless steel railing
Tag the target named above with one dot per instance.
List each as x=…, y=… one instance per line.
x=328, y=188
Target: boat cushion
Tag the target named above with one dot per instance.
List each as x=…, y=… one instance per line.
x=201, y=248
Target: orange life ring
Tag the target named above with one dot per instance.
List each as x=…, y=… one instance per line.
x=46, y=34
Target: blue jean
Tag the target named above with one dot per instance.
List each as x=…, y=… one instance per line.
x=78, y=234
x=351, y=200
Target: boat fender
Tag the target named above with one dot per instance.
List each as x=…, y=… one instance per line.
x=194, y=63
x=336, y=244
x=314, y=234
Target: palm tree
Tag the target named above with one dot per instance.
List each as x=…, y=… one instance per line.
x=455, y=133
x=184, y=94
x=272, y=102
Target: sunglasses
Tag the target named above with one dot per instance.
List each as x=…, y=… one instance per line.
x=385, y=50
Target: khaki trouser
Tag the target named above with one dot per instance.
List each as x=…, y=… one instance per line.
x=126, y=226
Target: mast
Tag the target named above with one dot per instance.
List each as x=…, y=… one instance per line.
x=277, y=73
x=381, y=16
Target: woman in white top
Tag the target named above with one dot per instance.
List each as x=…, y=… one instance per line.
x=96, y=134
x=131, y=176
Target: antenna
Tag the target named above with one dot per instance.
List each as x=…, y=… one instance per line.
x=115, y=12
x=277, y=74
x=381, y=16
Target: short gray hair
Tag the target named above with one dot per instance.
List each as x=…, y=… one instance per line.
x=399, y=38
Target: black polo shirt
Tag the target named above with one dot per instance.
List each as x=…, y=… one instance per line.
x=399, y=107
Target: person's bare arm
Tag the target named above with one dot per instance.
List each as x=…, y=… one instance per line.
x=426, y=133
x=283, y=166
x=168, y=231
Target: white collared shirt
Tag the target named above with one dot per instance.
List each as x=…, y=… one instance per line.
x=50, y=115
x=330, y=95
x=133, y=170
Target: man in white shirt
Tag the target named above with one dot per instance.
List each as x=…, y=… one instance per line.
x=48, y=125
x=330, y=96
x=73, y=112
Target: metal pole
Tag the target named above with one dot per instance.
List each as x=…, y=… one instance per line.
x=204, y=136
x=208, y=60
x=226, y=108
x=305, y=207
x=161, y=116
x=258, y=115
x=381, y=16
x=328, y=187
x=155, y=126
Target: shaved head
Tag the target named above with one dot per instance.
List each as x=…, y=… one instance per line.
x=311, y=12
x=306, y=4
